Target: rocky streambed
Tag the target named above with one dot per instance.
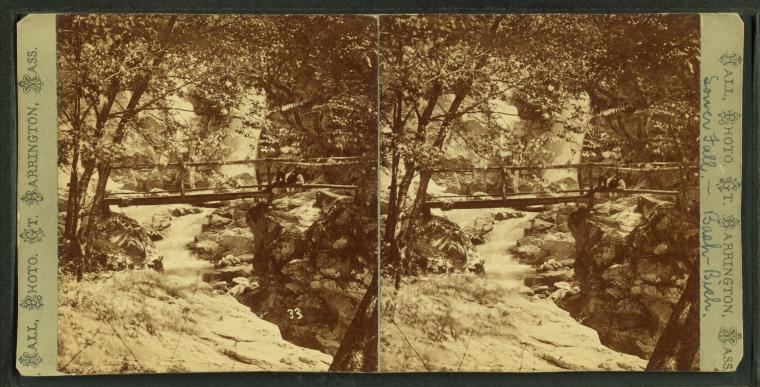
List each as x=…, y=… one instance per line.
x=140, y=317
x=302, y=262
x=241, y=286
x=503, y=317
x=620, y=268
x=562, y=287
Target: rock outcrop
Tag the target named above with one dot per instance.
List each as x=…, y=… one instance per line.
x=548, y=246
x=120, y=242
x=479, y=227
x=225, y=233
x=488, y=328
x=162, y=324
x=442, y=246
x=633, y=256
x=308, y=258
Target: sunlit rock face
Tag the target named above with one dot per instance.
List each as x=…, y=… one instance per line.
x=120, y=242
x=442, y=246
x=155, y=312
x=313, y=255
x=237, y=141
x=632, y=260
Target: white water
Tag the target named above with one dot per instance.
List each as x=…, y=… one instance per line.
x=501, y=267
x=178, y=260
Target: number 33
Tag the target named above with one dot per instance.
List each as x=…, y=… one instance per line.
x=295, y=314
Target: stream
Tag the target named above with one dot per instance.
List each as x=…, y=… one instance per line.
x=547, y=336
x=500, y=266
x=178, y=260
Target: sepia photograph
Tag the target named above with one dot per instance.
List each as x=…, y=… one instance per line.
x=217, y=193
x=539, y=192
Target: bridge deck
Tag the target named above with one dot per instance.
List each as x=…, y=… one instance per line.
x=527, y=199
x=509, y=202
x=202, y=196
x=123, y=201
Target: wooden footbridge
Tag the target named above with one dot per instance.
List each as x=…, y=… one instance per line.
x=586, y=192
x=262, y=191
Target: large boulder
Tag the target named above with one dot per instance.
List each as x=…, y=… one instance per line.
x=161, y=221
x=216, y=221
x=479, y=227
x=225, y=232
x=536, y=249
x=547, y=238
x=182, y=211
x=313, y=259
x=277, y=239
x=120, y=242
x=442, y=246
x=325, y=199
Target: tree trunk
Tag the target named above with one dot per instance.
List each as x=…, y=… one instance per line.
x=678, y=344
x=358, y=348
x=84, y=184
x=392, y=219
x=74, y=252
x=419, y=199
x=72, y=201
x=72, y=208
x=406, y=182
x=104, y=168
x=397, y=128
x=104, y=171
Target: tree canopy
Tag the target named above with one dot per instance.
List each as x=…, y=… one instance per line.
x=167, y=87
x=624, y=81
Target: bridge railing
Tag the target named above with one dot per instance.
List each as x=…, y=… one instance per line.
x=585, y=178
x=184, y=166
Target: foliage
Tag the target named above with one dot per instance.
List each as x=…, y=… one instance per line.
x=319, y=76
x=644, y=86
x=501, y=85
x=121, y=73
x=159, y=88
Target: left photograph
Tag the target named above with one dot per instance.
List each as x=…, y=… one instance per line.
x=217, y=193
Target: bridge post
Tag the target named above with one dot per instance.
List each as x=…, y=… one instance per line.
x=267, y=172
x=516, y=180
x=579, y=177
x=105, y=209
x=503, y=176
x=682, y=188
x=182, y=177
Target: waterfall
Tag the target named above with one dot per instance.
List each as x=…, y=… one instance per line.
x=567, y=146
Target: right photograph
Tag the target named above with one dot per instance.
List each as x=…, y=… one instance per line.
x=539, y=192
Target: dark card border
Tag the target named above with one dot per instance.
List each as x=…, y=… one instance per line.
x=746, y=375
